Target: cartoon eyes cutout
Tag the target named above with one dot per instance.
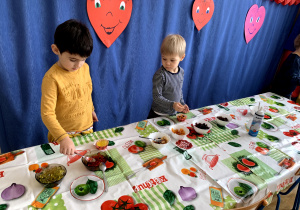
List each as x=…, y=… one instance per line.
x=122, y=5
x=257, y=20
x=198, y=9
x=98, y=4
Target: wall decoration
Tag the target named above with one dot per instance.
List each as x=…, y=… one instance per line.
x=109, y=18
x=202, y=12
x=254, y=20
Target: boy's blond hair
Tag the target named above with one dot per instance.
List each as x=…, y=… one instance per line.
x=173, y=44
x=297, y=42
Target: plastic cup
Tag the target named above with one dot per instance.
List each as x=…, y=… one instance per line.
x=101, y=144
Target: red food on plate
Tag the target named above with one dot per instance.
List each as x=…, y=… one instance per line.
x=109, y=204
x=135, y=149
x=109, y=164
x=184, y=144
x=126, y=202
x=139, y=206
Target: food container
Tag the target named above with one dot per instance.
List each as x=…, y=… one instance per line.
x=201, y=130
x=179, y=131
x=159, y=143
x=52, y=175
x=101, y=144
x=98, y=156
x=181, y=117
x=223, y=119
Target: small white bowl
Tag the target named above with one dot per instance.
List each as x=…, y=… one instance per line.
x=199, y=130
x=159, y=135
x=178, y=127
x=221, y=122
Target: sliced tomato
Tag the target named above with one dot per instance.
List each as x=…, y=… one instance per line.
x=135, y=149
x=126, y=202
x=261, y=150
x=140, y=206
x=109, y=204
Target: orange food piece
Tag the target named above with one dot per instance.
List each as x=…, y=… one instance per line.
x=33, y=167
x=185, y=171
x=44, y=165
x=193, y=169
x=109, y=164
x=178, y=132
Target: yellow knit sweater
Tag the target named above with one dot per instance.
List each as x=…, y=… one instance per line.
x=66, y=103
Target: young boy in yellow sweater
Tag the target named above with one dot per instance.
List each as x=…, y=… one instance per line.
x=66, y=104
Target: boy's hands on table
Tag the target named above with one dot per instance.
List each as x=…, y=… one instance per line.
x=95, y=118
x=186, y=109
x=67, y=146
x=181, y=108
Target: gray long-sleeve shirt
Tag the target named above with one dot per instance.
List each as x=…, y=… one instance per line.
x=167, y=89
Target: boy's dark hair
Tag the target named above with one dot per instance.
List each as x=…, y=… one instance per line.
x=73, y=37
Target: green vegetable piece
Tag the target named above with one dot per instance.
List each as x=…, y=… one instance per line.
x=234, y=144
x=263, y=145
x=240, y=191
x=234, y=132
x=119, y=130
x=247, y=188
x=93, y=186
x=166, y=122
x=3, y=206
x=189, y=207
x=111, y=143
x=252, y=99
x=161, y=123
x=140, y=143
x=169, y=196
x=82, y=189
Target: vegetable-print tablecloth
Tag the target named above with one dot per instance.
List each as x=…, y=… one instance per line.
x=223, y=169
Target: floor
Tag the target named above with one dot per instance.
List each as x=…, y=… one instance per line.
x=287, y=201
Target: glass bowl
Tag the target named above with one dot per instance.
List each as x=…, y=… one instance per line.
x=52, y=175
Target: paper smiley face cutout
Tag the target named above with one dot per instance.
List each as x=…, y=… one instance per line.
x=109, y=18
x=254, y=20
x=202, y=12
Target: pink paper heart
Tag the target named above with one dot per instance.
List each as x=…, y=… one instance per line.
x=254, y=20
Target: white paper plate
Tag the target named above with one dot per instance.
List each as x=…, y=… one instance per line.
x=160, y=119
x=83, y=180
x=234, y=182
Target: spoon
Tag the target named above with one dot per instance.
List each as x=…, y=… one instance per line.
x=157, y=140
x=88, y=159
x=102, y=167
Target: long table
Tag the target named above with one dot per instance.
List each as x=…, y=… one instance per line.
x=210, y=171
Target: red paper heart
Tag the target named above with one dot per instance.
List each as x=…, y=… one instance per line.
x=109, y=18
x=202, y=12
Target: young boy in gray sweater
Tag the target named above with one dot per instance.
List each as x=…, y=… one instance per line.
x=168, y=79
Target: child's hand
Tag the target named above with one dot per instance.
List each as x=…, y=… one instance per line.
x=67, y=146
x=186, y=109
x=95, y=118
x=178, y=106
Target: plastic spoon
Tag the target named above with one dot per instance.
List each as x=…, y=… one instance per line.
x=88, y=159
x=102, y=167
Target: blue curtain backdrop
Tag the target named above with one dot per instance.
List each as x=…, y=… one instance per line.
x=219, y=65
